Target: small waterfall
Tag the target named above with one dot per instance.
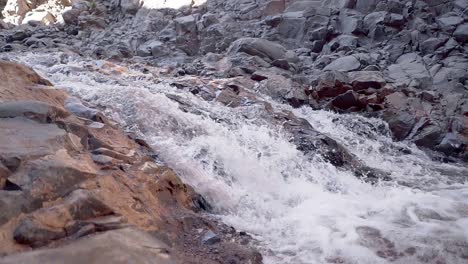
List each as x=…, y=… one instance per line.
x=301, y=210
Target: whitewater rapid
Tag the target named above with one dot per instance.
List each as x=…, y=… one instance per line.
x=299, y=210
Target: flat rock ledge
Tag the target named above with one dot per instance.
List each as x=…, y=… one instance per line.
x=74, y=188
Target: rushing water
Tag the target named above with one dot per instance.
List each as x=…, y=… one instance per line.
x=300, y=210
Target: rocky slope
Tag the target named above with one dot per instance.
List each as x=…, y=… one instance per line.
x=76, y=188
x=402, y=61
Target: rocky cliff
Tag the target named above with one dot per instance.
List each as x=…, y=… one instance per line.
x=77, y=189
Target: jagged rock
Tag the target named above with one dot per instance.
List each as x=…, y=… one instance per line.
x=361, y=80
x=351, y=22
x=23, y=138
x=346, y=100
x=345, y=64
x=432, y=44
x=18, y=36
x=410, y=70
x=461, y=33
x=210, y=238
x=273, y=7
x=366, y=6
x=279, y=87
x=71, y=16
x=13, y=203
x=394, y=20
x=332, y=83
x=258, y=47
x=151, y=48
x=449, y=23
x=292, y=25
x=36, y=234
x=400, y=120
x=47, y=224
x=451, y=143
x=343, y=42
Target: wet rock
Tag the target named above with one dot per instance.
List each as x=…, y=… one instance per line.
x=346, y=100
x=452, y=144
x=399, y=119
x=331, y=84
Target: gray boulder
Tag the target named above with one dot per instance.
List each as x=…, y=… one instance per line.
x=258, y=47
x=461, y=33
x=345, y=64
x=449, y=23
x=410, y=70
x=432, y=44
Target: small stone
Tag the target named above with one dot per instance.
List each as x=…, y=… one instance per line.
x=210, y=238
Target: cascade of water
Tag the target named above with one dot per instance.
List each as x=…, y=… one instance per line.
x=302, y=210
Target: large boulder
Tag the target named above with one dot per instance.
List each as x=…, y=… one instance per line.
x=344, y=64
x=410, y=70
x=258, y=47
x=331, y=84
x=461, y=33
x=362, y=80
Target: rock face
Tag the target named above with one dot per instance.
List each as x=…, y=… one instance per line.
x=379, y=47
x=77, y=186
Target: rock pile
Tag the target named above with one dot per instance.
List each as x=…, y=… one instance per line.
x=78, y=189
x=403, y=61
